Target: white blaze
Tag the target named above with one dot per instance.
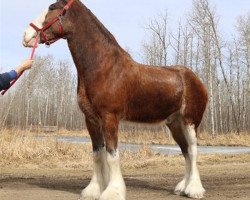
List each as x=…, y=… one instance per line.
x=30, y=33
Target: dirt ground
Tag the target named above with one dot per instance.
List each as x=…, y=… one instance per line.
x=156, y=182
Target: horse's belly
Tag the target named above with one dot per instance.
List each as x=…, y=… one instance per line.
x=153, y=108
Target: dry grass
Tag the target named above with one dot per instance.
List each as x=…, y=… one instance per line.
x=146, y=137
x=149, y=137
x=229, y=139
x=20, y=150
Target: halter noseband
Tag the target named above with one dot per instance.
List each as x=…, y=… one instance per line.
x=53, y=21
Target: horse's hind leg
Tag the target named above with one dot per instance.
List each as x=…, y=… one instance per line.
x=100, y=177
x=185, y=136
x=178, y=135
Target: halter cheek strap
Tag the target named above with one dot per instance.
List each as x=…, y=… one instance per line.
x=47, y=26
x=53, y=21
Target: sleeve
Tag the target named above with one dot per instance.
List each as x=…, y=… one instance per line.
x=6, y=78
x=13, y=74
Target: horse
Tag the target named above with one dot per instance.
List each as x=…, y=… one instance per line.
x=112, y=87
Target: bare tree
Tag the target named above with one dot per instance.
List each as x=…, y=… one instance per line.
x=220, y=64
x=157, y=49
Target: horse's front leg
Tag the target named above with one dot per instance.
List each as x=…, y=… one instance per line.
x=100, y=176
x=116, y=189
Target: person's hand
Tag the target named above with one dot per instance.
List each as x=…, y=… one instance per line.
x=26, y=64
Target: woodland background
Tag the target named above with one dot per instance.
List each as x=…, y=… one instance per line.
x=46, y=95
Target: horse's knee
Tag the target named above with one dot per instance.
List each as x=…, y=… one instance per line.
x=96, y=135
x=110, y=132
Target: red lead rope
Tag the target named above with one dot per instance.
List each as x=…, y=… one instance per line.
x=31, y=57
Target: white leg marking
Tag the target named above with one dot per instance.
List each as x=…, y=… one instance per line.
x=194, y=187
x=99, y=179
x=30, y=33
x=181, y=186
x=116, y=189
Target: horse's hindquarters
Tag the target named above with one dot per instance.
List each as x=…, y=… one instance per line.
x=195, y=98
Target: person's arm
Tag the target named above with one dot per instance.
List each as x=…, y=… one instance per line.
x=5, y=80
x=7, y=77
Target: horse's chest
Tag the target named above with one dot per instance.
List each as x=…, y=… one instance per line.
x=85, y=105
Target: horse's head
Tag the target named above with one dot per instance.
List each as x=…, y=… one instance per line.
x=54, y=23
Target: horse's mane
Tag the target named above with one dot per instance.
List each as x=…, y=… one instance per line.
x=101, y=27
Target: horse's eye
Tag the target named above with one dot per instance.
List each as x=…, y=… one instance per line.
x=52, y=7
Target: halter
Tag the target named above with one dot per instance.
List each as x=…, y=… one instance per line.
x=47, y=42
x=53, y=21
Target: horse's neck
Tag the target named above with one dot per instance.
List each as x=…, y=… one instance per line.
x=92, y=50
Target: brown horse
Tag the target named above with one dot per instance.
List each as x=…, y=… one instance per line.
x=113, y=87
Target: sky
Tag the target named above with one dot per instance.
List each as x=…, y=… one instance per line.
x=126, y=19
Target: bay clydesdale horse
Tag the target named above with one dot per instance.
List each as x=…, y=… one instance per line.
x=113, y=87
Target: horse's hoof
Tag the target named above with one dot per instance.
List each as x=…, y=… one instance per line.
x=180, y=188
x=112, y=193
x=91, y=192
x=195, y=190
x=87, y=198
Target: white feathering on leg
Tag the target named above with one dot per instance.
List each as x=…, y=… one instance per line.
x=116, y=189
x=194, y=187
x=100, y=177
x=181, y=186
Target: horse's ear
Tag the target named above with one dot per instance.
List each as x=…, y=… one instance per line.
x=80, y=1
